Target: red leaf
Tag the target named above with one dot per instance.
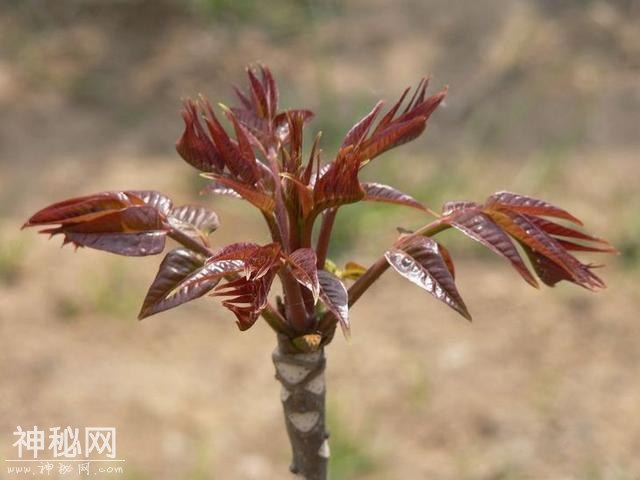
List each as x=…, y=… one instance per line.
x=394, y=135
x=551, y=273
x=240, y=162
x=478, y=226
x=527, y=205
x=259, y=95
x=339, y=185
x=418, y=259
x=174, y=269
x=195, y=146
x=303, y=263
x=249, y=297
x=132, y=231
x=377, y=192
x=197, y=222
x=543, y=244
x=448, y=260
x=388, y=117
x=217, y=188
x=257, y=260
x=359, y=130
x=257, y=198
x=334, y=296
x=81, y=209
x=155, y=199
x=282, y=125
x=271, y=89
x=556, y=229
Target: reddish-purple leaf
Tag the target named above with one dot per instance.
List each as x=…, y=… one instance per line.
x=195, y=146
x=388, y=117
x=422, y=107
x=261, y=200
x=235, y=251
x=578, y=247
x=238, y=159
x=259, y=95
x=257, y=260
x=271, y=90
x=543, y=244
x=81, y=209
x=377, y=192
x=480, y=227
x=282, y=128
x=527, y=205
x=133, y=231
x=418, y=259
x=249, y=119
x=174, y=269
x=448, y=260
x=450, y=207
x=155, y=199
x=551, y=273
x=217, y=188
x=340, y=184
x=265, y=259
x=196, y=221
x=394, y=135
x=249, y=297
x=558, y=230
x=303, y=268
x=335, y=297
x=359, y=131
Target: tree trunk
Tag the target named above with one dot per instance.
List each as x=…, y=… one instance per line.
x=303, y=401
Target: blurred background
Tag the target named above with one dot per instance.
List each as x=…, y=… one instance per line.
x=544, y=99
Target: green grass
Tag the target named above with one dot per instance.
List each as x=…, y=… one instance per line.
x=350, y=455
x=12, y=255
x=111, y=292
x=280, y=19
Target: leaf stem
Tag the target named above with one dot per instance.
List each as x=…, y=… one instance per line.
x=322, y=247
x=189, y=242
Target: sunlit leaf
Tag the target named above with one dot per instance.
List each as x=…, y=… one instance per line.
x=418, y=259
x=531, y=206
x=448, y=260
x=541, y=243
x=248, y=297
x=340, y=184
x=551, y=273
x=132, y=231
x=480, y=227
x=261, y=200
x=81, y=209
x=196, y=221
x=393, y=136
x=360, y=129
x=175, y=268
x=377, y=192
x=195, y=146
x=303, y=268
x=558, y=230
x=334, y=296
x=155, y=199
x=217, y=188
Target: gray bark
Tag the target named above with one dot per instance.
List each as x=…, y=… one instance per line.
x=303, y=401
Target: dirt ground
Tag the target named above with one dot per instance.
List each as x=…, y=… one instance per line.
x=544, y=99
